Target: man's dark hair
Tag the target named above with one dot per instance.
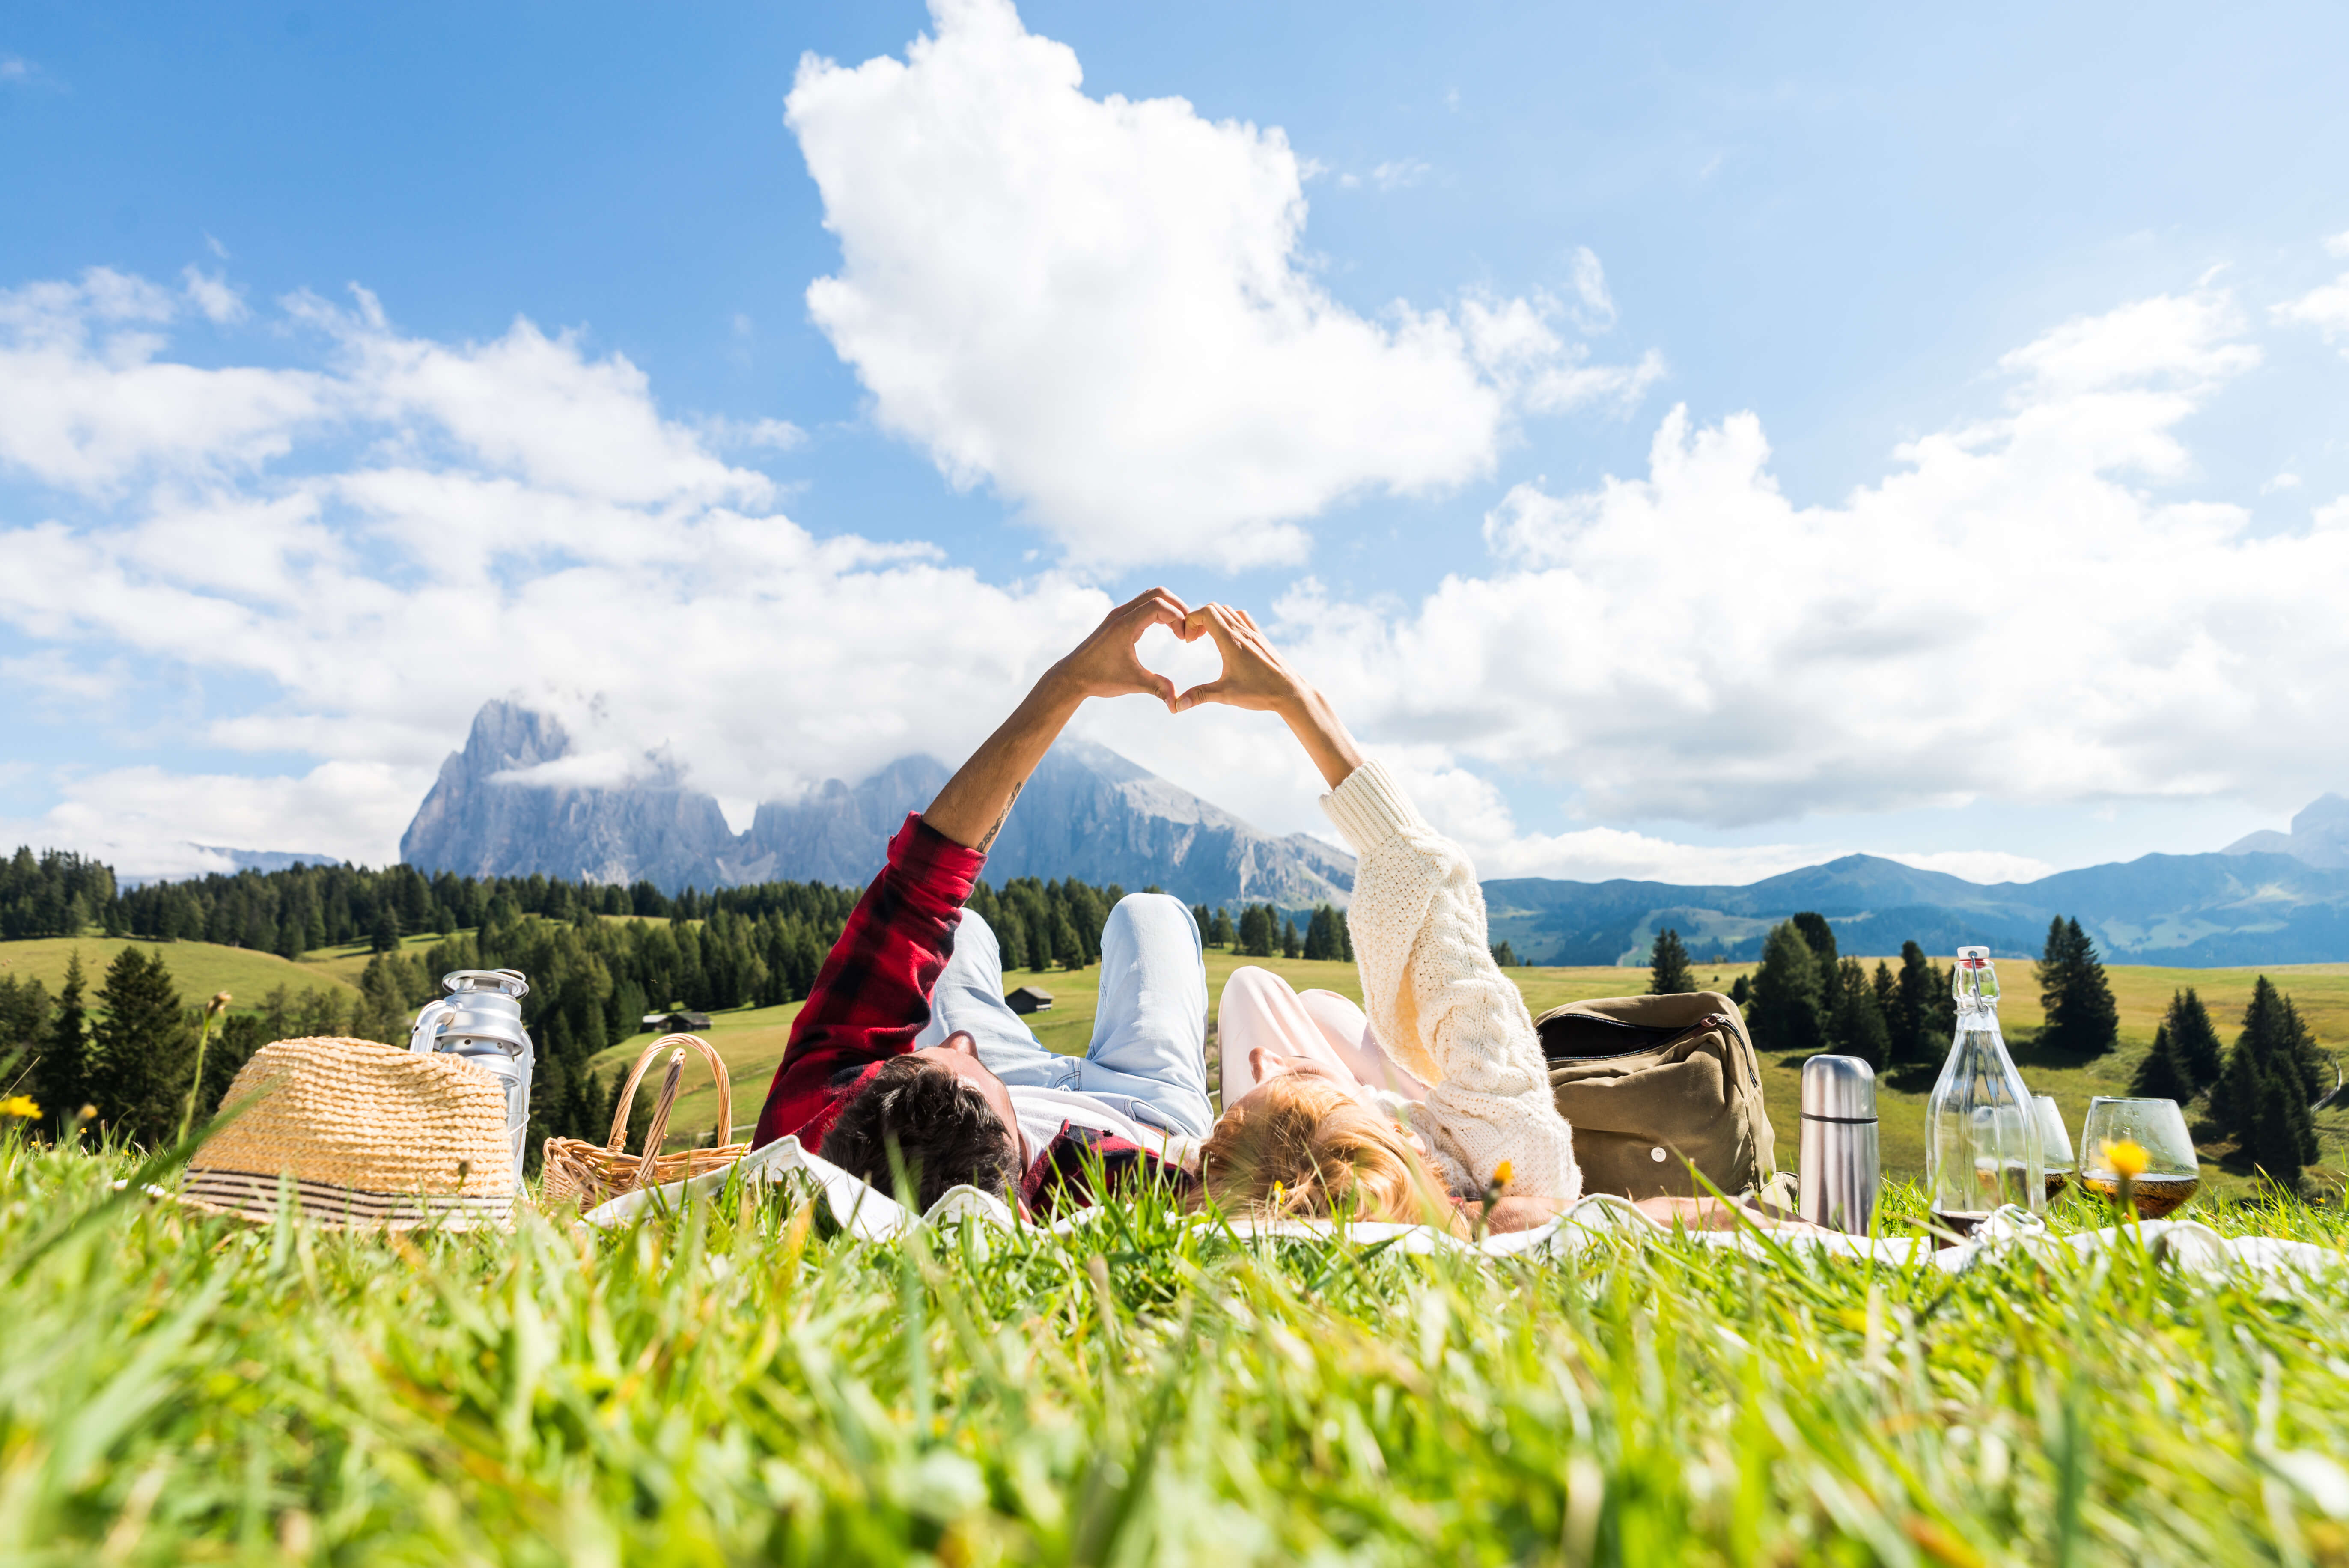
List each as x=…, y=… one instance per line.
x=945, y=1132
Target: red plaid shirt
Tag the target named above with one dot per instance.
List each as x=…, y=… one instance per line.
x=871, y=997
x=872, y=994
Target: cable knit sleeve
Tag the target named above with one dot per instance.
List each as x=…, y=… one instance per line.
x=1438, y=1003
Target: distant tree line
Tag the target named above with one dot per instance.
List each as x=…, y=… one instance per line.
x=1263, y=932
x=1804, y=997
x=54, y=895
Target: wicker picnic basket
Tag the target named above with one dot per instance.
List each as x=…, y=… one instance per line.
x=577, y=1172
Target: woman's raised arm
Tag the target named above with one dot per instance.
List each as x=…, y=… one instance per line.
x=1257, y=677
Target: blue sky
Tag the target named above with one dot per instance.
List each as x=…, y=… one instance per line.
x=2009, y=345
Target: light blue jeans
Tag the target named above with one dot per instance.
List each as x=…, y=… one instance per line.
x=1148, y=1058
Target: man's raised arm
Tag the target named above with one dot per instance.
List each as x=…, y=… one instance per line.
x=971, y=808
x=872, y=996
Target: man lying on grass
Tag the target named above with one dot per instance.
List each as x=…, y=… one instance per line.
x=906, y=1045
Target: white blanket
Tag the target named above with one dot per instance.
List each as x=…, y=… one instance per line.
x=871, y=1215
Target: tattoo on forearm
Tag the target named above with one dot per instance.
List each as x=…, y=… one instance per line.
x=989, y=841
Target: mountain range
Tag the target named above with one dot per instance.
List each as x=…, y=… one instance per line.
x=1087, y=813
x=1091, y=814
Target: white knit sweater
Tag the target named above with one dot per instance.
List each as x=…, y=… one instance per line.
x=1439, y=1004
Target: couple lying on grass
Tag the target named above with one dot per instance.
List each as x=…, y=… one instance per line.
x=1415, y=1108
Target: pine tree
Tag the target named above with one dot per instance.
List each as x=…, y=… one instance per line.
x=1257, y=934
x=1011, y=937
x=1205, y=923
x=1345, y=940
x=1887, y=991
x=1291, y=945
x=1668, y=966
x=2281, y=1137
x=1066, y=946
x=2195, y=1040
x=240, y=1035
x=1819, y=937
x=145, y=1049
x=2163, y=1073
x=1787, y=994
x=1504, y=956
x=25, y=1037
x=2310, y=1063
x=1322, y=940
x=2081, y=1017
x=1910, y=1020
x=2272, y=1074
x=1741, y=991
x=385, y=935
x=1858, y=1027
x=1220, y=933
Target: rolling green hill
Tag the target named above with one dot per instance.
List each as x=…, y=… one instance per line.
x=198, y=968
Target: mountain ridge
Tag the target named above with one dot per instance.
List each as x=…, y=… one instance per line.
x=1086, y=812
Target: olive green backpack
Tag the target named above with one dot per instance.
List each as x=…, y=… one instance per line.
x=1653, y=1085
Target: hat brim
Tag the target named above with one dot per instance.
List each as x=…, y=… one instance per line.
x=247, y=1195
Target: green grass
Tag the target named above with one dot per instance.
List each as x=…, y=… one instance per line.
x=736, y=1387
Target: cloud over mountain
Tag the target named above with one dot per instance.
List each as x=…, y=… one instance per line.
x=2028, y=606
x=1104, y=308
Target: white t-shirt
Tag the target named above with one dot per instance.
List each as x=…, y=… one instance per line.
x=1044, y=1111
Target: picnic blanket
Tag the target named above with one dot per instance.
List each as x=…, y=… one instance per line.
x=871, y=1215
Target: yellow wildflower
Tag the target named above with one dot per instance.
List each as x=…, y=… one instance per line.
x=20, y=1106
x=2127, y=1157
x=1503, y=1172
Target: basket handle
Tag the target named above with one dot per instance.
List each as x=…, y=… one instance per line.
x=620, y=1138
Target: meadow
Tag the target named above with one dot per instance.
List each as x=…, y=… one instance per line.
x=741, y=1384
x=737, y=1385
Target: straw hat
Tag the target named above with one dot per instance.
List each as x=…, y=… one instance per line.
x=364, y=1135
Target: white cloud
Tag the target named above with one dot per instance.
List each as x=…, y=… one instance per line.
x=380, y=541
x=1100, y=306
x=1978, y=865
x=211, y=293
x=2013, y=612
x=1597, y=313
x=2325, y=308
x=84, y=406
x=752, y=435
x=1399, y=174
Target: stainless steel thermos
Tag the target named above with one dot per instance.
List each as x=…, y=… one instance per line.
x=480, y=1022
x=1839, y=1161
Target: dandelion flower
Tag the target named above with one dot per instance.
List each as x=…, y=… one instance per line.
x=2127, y=1157
x=20, y=1106
x=1503, y=1173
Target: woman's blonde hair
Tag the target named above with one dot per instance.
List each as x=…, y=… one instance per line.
x=1301, y=1147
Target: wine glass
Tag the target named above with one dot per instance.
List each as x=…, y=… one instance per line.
x=2156, y=1128
x=2055, y=1160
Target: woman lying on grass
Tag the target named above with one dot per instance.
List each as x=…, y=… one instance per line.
x=1435, y=1097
